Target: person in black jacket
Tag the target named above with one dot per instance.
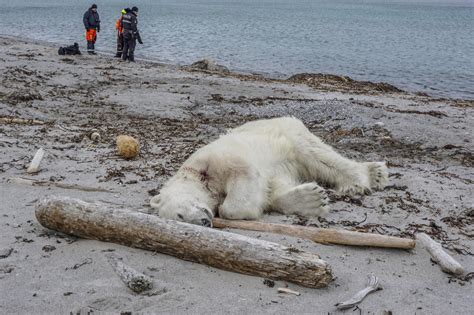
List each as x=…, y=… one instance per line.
x=92, y=24
x=119, y=28
x=130, y=34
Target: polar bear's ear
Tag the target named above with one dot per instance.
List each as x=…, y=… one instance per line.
x=155, y=201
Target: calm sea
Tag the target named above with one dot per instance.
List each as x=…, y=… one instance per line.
x=424, y=45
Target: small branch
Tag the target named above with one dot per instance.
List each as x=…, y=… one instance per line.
x=32, y=182
x=288, y=291
x=20, y=121
x=372, y=286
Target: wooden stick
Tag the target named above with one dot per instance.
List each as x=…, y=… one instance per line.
x=215, y=248
x=22, y=121
x=35, y=163
x=445, y=261
x=288, y=291
x=325, y=236
x=32, y=182
x=372, y=286
x=136, y=281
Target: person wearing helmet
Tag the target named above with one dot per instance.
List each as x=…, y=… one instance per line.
x=119, y=28
x=92, y=24
x=130, y=34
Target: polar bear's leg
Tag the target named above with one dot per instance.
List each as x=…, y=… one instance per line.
x=307, y=199
x=325, y=165
x=246, y=197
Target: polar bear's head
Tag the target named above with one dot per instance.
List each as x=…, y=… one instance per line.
x=184, y=202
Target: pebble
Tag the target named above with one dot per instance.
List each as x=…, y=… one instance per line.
x=379, y=124
x=5, y=252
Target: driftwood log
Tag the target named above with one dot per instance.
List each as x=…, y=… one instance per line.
x=215, y=248
x=445, y=261
x=325, y=236
x=372, y=286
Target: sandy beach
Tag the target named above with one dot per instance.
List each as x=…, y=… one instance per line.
x=427, y=143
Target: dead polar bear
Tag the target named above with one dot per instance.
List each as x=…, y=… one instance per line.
x=275, y=164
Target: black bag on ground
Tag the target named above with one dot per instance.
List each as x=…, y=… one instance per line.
x=70, y=50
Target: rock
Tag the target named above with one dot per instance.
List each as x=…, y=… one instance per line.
x=48, y=248
x=95, y=136
x=5, y=252
x=6, y=268
x=20, y=96
x=209, y=65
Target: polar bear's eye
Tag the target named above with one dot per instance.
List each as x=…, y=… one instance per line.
x=180, y=216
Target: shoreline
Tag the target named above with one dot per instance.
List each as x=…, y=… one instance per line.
x=336, y=81
x=426, y=142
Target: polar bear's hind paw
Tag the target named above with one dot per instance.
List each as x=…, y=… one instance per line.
x=309, y=200
x=378, y=175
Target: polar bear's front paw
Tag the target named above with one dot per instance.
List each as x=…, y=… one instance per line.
x=306, y=200
x=378, y=175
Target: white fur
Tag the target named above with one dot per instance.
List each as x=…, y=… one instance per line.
x=275, y=164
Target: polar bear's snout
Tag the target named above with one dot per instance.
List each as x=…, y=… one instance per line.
x=191, y=214
x=186, y=210
x=208, y=220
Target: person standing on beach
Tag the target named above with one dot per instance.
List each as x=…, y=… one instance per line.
x=119, y=28
x=92, y=24
x=130, y=34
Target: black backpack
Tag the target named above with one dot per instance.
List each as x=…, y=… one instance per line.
x=69, y=50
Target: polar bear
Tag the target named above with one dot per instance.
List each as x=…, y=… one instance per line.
x=275, y=164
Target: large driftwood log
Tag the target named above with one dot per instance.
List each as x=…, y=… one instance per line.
x=219, y=249
x=325, y=236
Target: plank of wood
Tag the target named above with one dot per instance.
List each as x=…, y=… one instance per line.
x=212, y=247
x=319, y=235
